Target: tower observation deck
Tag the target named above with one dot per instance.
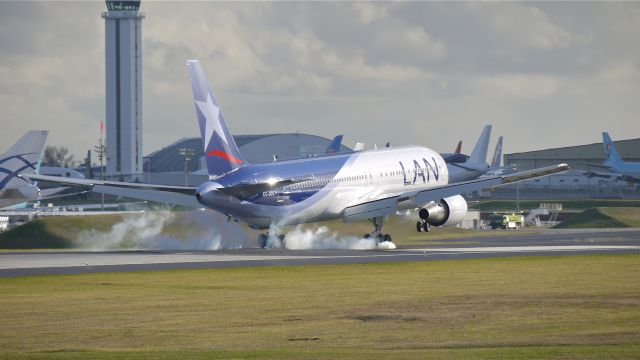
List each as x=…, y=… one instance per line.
x=123, y=70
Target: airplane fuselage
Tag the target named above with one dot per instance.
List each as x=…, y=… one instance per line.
x=325, y=185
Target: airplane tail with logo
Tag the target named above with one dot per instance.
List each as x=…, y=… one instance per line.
x=458, y=148
x=334, y=146
x=610, y=151
x=497, y=155
x=220, y=149
x=479, y=153
x=22, y=158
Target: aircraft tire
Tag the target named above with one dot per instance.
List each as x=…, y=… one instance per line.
x=386, y=238
x=419, y=226
x=262, y=241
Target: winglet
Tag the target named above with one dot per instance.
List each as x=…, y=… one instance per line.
x=220, y=149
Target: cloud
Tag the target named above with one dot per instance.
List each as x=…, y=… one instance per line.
x=436, y=71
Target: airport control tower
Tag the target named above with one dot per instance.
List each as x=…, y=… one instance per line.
x=123, y=42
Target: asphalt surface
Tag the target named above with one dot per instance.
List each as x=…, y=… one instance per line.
x=547, y=242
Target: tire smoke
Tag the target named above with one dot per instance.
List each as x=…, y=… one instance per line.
x=168, y=230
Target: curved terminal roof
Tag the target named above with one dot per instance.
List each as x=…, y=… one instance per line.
x=255, y=148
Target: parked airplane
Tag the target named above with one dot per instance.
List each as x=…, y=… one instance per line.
x=21, y=159
x=620, y=169
x=475, y=165
x=334, y=146
x=355, y=186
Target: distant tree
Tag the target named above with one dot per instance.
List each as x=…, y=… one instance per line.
x=57, y=157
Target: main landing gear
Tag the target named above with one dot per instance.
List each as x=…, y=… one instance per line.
x=377, y=232
x=271, y=241
x=423, y=226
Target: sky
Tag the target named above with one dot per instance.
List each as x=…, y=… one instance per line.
x=544, y=74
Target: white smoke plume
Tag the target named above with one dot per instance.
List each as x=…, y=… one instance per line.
x=167, y=230
x=321, y=238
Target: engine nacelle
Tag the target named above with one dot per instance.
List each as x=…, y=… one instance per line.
x=447, y=212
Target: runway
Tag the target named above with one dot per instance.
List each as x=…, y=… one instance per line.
x=547, y=242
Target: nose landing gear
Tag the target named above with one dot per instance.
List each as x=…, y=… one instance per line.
x=271, y=241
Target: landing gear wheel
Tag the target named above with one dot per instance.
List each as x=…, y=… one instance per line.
x=426, y=227
x=367, y=236
x=262, y=241
x=419, y=226
x=386, y=238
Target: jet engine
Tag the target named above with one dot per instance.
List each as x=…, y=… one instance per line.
x=447, y=212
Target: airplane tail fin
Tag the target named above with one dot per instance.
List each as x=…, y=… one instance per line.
x=458, y=148
x=334, y=147
x=497, y=155
x=479, y=154
x=220, y=149
x=610, y=151
x=22, y=158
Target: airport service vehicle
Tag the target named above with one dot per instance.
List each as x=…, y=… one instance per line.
x=620, y=169
x=363, y=185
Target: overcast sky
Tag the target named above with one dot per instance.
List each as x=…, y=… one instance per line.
x=545, y=74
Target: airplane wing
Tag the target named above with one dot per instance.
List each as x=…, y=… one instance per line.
x=613, y=176
x=389, y=205
x=596, y=165
x=174, y=195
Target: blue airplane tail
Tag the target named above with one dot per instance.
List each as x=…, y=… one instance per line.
x=22, y=158
x=220, y=149
x=610, y=151
x=334, y=147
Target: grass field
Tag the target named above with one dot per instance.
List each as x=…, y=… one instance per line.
x=614, y=217
x=567, y=205
x=526, y=307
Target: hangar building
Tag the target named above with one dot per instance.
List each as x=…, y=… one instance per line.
x=572, y=155
x=166, y=166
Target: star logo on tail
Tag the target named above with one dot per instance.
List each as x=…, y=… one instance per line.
x=211, y=113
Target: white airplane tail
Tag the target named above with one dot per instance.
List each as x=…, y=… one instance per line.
x=479, y=154
x=497, y=155
x=22, y=158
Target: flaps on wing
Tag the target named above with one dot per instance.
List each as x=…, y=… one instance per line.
x=187, y=190
x=245, y=190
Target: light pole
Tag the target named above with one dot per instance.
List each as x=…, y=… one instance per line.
x=101, y=149
x=187, y=154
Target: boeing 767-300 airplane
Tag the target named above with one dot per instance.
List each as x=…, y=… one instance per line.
x=355, y=186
